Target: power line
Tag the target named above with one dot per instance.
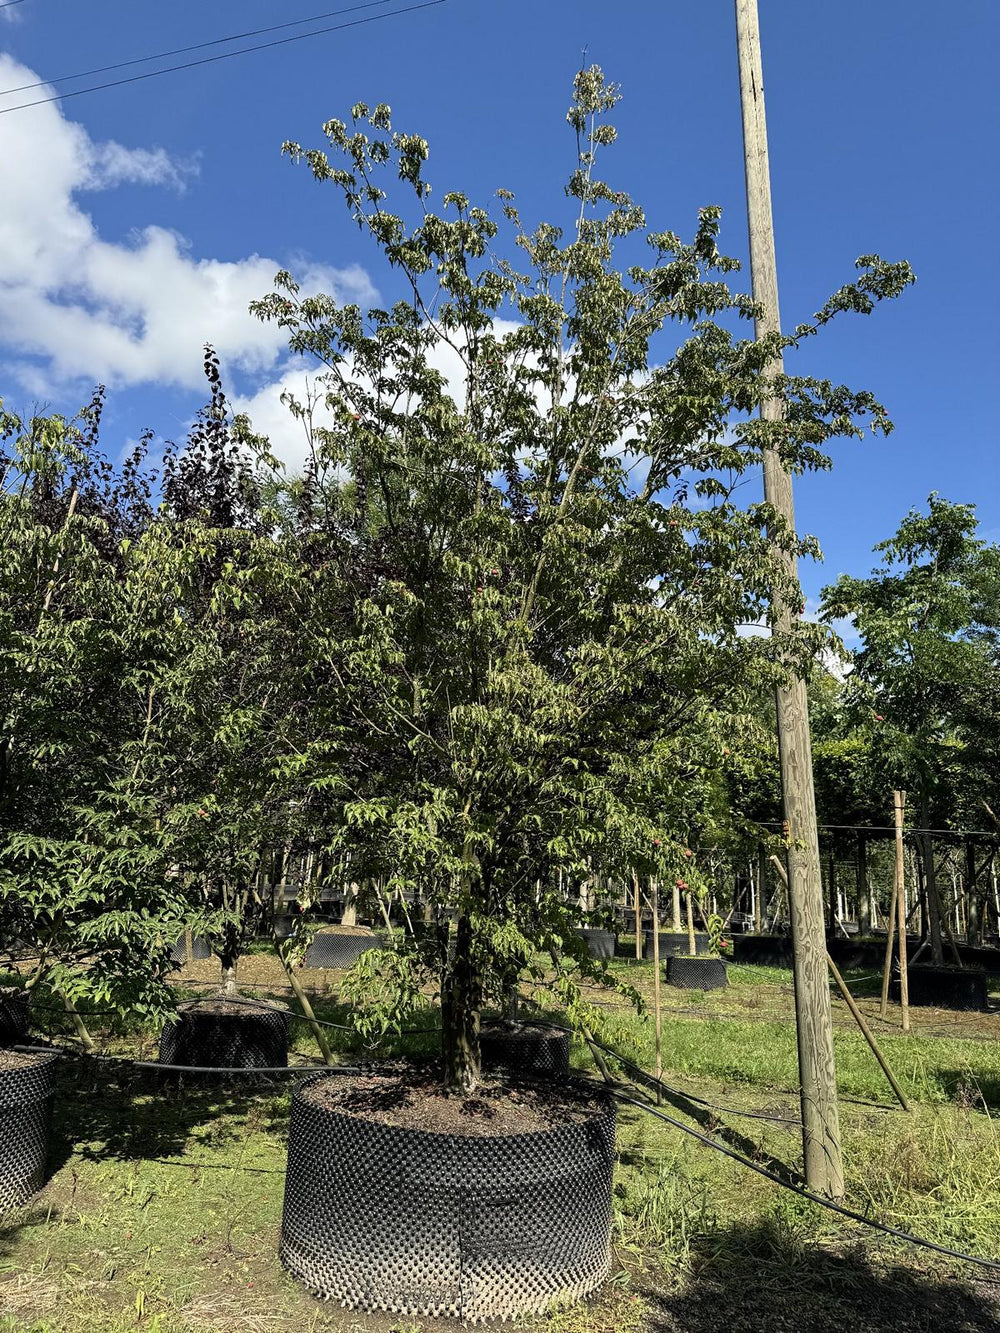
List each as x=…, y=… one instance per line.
x=225, y=55
x=182, y=50
x=7, y=3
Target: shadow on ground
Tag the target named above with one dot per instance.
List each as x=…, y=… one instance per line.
x=765, y=1280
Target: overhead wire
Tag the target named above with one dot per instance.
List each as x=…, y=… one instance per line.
x=183, y=50
x=224, y=55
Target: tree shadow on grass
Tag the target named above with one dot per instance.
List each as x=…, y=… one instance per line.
x=766, y=1278
x=111, y=1112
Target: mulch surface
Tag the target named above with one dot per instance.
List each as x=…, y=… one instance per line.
x=410, y=1096
x=19, y=1060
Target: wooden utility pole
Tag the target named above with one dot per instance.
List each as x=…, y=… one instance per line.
x=814, y=1021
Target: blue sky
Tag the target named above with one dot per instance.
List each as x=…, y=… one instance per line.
x=137, y=222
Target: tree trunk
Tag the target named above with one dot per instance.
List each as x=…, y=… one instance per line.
x=692, y=942
x=349, y=917
x=461, y=1001
x=973, y=908
x=930, y=880
x=863, y=887
x=676, y=905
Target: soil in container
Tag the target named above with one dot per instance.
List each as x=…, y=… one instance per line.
x=535, y=1050
x=14, y=1016
x=26, y=1084
x=223, y=1033
x=689, y=973
x=401, y=1198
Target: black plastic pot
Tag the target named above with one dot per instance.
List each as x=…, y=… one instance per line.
x=383, y=1218
x=763, y=950
x=535, y=1050
x=944, y=987
x=223, y=1034
x=600, y=943
x=674, y=942
x=200, y=949
x=15, y=1016
x=696, y=973
x=25, y=1120
x=331, y=949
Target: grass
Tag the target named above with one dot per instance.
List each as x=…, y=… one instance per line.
x=163, y=1211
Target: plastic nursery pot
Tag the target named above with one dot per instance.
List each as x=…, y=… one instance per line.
x=535, y=1050
x=600, y=943
x=944, y=987
x=672, y=942
x=200, y=950
x=475, y=1225
x=335, y=948
x=696, y=973
x=26, y=1084
x=223, y=1033
x=14, y=1016
x=763, y=950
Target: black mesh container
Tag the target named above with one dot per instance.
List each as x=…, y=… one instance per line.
x=200, y=949
x=535, y=1050
x=14, y=1016
x=944, y=987
x=696, y=973
x=222, y=1034
x=382, y=1218
x=26, y=1083
x=600, y=943
x=330, y=949
x=672, y=942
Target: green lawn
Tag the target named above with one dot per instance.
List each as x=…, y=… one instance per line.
x=163, y=1211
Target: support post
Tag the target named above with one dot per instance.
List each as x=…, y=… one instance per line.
x=814, y=1021
x=657, y=1017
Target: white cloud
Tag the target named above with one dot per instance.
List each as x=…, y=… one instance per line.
x=75, y=306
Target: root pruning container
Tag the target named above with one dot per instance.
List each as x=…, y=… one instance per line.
x=14, y=1016
x=379, y=1217
x=945, y=987
x=600, y=943
x=532, y=1049
x=696, y=973
x=222, y=1034
x=26, y=1083
x=200, y=950
x=330, y=949
x=672, y=942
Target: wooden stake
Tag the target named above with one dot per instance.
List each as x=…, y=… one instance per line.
x=889, y=937
x=657, y=1019
x=867, y=1033
x=304, y=1005
x=637, y=907
x=821, y=1152
x=898, y=804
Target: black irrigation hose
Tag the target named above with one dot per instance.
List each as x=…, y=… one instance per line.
x=186, y=1069
x=807, y=1193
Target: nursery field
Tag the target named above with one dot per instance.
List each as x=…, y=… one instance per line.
x=163, y=1211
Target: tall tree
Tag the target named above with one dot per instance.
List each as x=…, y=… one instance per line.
x=546, y=564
